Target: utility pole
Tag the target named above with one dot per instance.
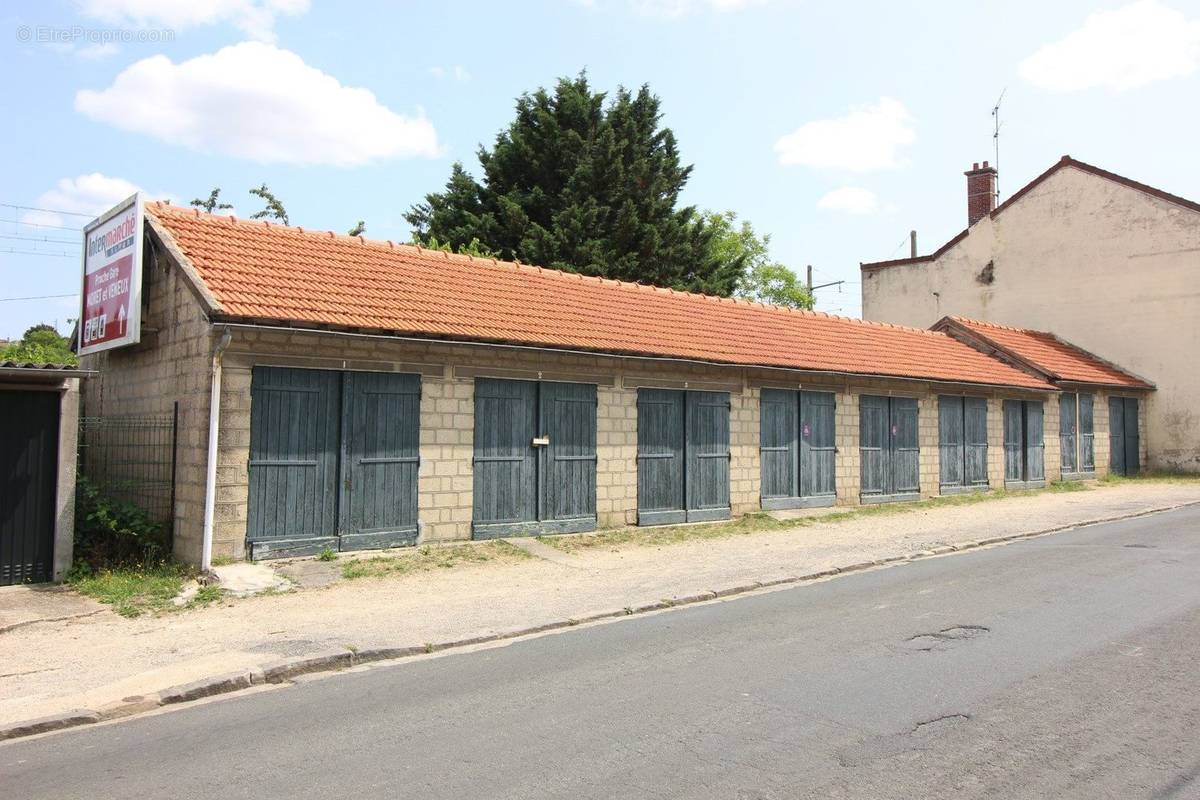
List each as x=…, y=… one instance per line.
x=812, y=288
x=996, y=139
x=912, y=244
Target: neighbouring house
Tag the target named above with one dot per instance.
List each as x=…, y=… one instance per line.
x=1109, y=264
x=39, y=419
x=336, y=392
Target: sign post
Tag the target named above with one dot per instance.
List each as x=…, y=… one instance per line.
x=111, y=314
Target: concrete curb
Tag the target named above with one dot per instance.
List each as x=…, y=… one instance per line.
x=285, y=670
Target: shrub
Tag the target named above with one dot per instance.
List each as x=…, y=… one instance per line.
x=111, y=532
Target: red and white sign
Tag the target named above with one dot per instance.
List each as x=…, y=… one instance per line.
x=112, y=279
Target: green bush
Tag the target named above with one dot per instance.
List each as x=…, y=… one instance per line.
x=110, y=532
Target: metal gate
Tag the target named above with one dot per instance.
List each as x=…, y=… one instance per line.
x=333, y=461
x=962, y=442
x=797, y=451
x=28, y=485
x=1024, y=448
x=1124, y=445
x=535, y=457
x=889, y=449
x=683, y=456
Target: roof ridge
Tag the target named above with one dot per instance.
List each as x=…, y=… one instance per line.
x=558, y=274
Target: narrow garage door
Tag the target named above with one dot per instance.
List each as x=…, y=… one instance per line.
x=1024, y=448
x=683, y=456
x=28, y=480
x=796, y=443
x=535, y=457
x=962, y=442
x=889, y=449
x=333, y=460
x=1123, y=454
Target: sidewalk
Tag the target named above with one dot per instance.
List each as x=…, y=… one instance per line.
x=92, y=660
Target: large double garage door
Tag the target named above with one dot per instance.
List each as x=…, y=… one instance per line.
x=683, y=456
x=333, y=460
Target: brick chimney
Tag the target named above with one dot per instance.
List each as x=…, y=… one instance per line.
x=981, y=192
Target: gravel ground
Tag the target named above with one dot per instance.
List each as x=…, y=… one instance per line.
x=88, y=662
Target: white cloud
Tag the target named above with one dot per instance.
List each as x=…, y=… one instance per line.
x=258, y=102
x=88, y=194
x=1121, y=49
x=102, y=50
x=255, y=18
x=867, y=138
x=851, y=199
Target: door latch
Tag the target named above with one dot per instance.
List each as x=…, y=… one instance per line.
x=541, y=441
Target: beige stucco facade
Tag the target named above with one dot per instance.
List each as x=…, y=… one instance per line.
x=1104, y=265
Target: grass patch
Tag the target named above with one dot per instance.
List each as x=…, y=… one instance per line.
x=205, y=596
x=428, y=559
x=762, y=522
x=133, y=591
x=1152, y=477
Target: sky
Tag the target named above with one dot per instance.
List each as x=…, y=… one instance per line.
x=836, y=128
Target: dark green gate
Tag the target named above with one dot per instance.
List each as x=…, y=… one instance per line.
x=889, y=448
x=683, y=456
x=535, y=458
x=1124, y=445
x=28, y=485
x=333, y=461
x=796, y=446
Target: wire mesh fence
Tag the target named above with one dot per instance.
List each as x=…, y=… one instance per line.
x=132, y=458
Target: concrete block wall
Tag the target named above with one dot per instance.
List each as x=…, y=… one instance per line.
x=930, y=456
x=745, y=470
x=171, y=364
x=616, y=449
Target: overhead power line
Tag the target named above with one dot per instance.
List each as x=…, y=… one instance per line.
x=38, y=253
x=37, y=297
x=40, y=225
x=47, y=210
x=37, y=239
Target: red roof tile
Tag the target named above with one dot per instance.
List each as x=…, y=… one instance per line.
x=258, y=271
x=1048, y=354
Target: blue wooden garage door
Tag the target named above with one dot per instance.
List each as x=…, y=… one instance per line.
x=333, y=461
x=888, y=448
x=535, y=457
x=683, y=456
x=796, y=443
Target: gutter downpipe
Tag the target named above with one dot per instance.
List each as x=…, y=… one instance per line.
x=210, y=482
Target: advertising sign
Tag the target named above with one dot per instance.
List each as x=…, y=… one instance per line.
x=111, y=313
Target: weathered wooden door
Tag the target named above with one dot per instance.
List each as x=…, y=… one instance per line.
x=295, y=423
x=707, y=456
x=975, y=472
x=505, y=482
x=1087, y=444
x=1024, y=446
x=889, y=447
x=382, y=455
x=568, y=412
x=951, y=441
x=1068, y=431
x=535, y=457
x=818, y=449
x=779, y=418
x=29, y=424
x=1124, y=457
x=660, y=456
x=1035, y=444
x=1014, y=441
x=683, y=456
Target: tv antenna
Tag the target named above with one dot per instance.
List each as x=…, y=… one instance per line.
x=996, y=125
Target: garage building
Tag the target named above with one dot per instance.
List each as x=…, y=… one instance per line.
x=360, y=394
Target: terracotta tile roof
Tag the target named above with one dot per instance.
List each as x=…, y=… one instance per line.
x=270, y=273
x=1062, y=361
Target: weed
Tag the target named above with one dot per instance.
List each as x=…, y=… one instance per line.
x=206, y=595
x=1153, y=477
x=132, y=591
x=426, y=558
x=328, y=554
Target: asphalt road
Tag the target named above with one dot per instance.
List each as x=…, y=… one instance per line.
x=1065, y=666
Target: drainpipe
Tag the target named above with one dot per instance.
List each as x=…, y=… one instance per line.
x=210, y=483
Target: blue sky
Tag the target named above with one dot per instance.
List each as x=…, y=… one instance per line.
x=834, y=127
